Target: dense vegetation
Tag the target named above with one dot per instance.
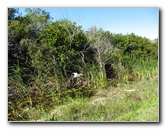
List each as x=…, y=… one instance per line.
x=43, y=54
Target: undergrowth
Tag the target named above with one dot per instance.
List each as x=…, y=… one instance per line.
x=31, y=101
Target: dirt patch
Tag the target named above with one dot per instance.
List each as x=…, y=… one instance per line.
x=99, y=101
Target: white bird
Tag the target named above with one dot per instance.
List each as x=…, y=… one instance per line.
x=76, y=75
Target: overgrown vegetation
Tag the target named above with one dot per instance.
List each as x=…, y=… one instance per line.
x=43, y=54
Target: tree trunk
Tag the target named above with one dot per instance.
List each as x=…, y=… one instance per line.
x=100, y=62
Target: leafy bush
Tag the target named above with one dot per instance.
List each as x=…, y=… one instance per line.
x=62, y=46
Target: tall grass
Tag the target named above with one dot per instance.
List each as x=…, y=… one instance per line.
x=47, y=90
x=137, y=69
x=44, y=91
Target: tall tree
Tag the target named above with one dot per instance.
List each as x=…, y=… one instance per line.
x=12, y=13
x=100, y=41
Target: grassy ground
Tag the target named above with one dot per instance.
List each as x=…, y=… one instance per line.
x=117, y=100
x=133, y=101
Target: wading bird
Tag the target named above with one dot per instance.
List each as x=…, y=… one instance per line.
x=77, y=75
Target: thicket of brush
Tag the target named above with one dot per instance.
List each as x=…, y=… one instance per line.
x=42, y=55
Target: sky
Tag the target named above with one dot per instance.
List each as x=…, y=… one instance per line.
x=140, y=21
